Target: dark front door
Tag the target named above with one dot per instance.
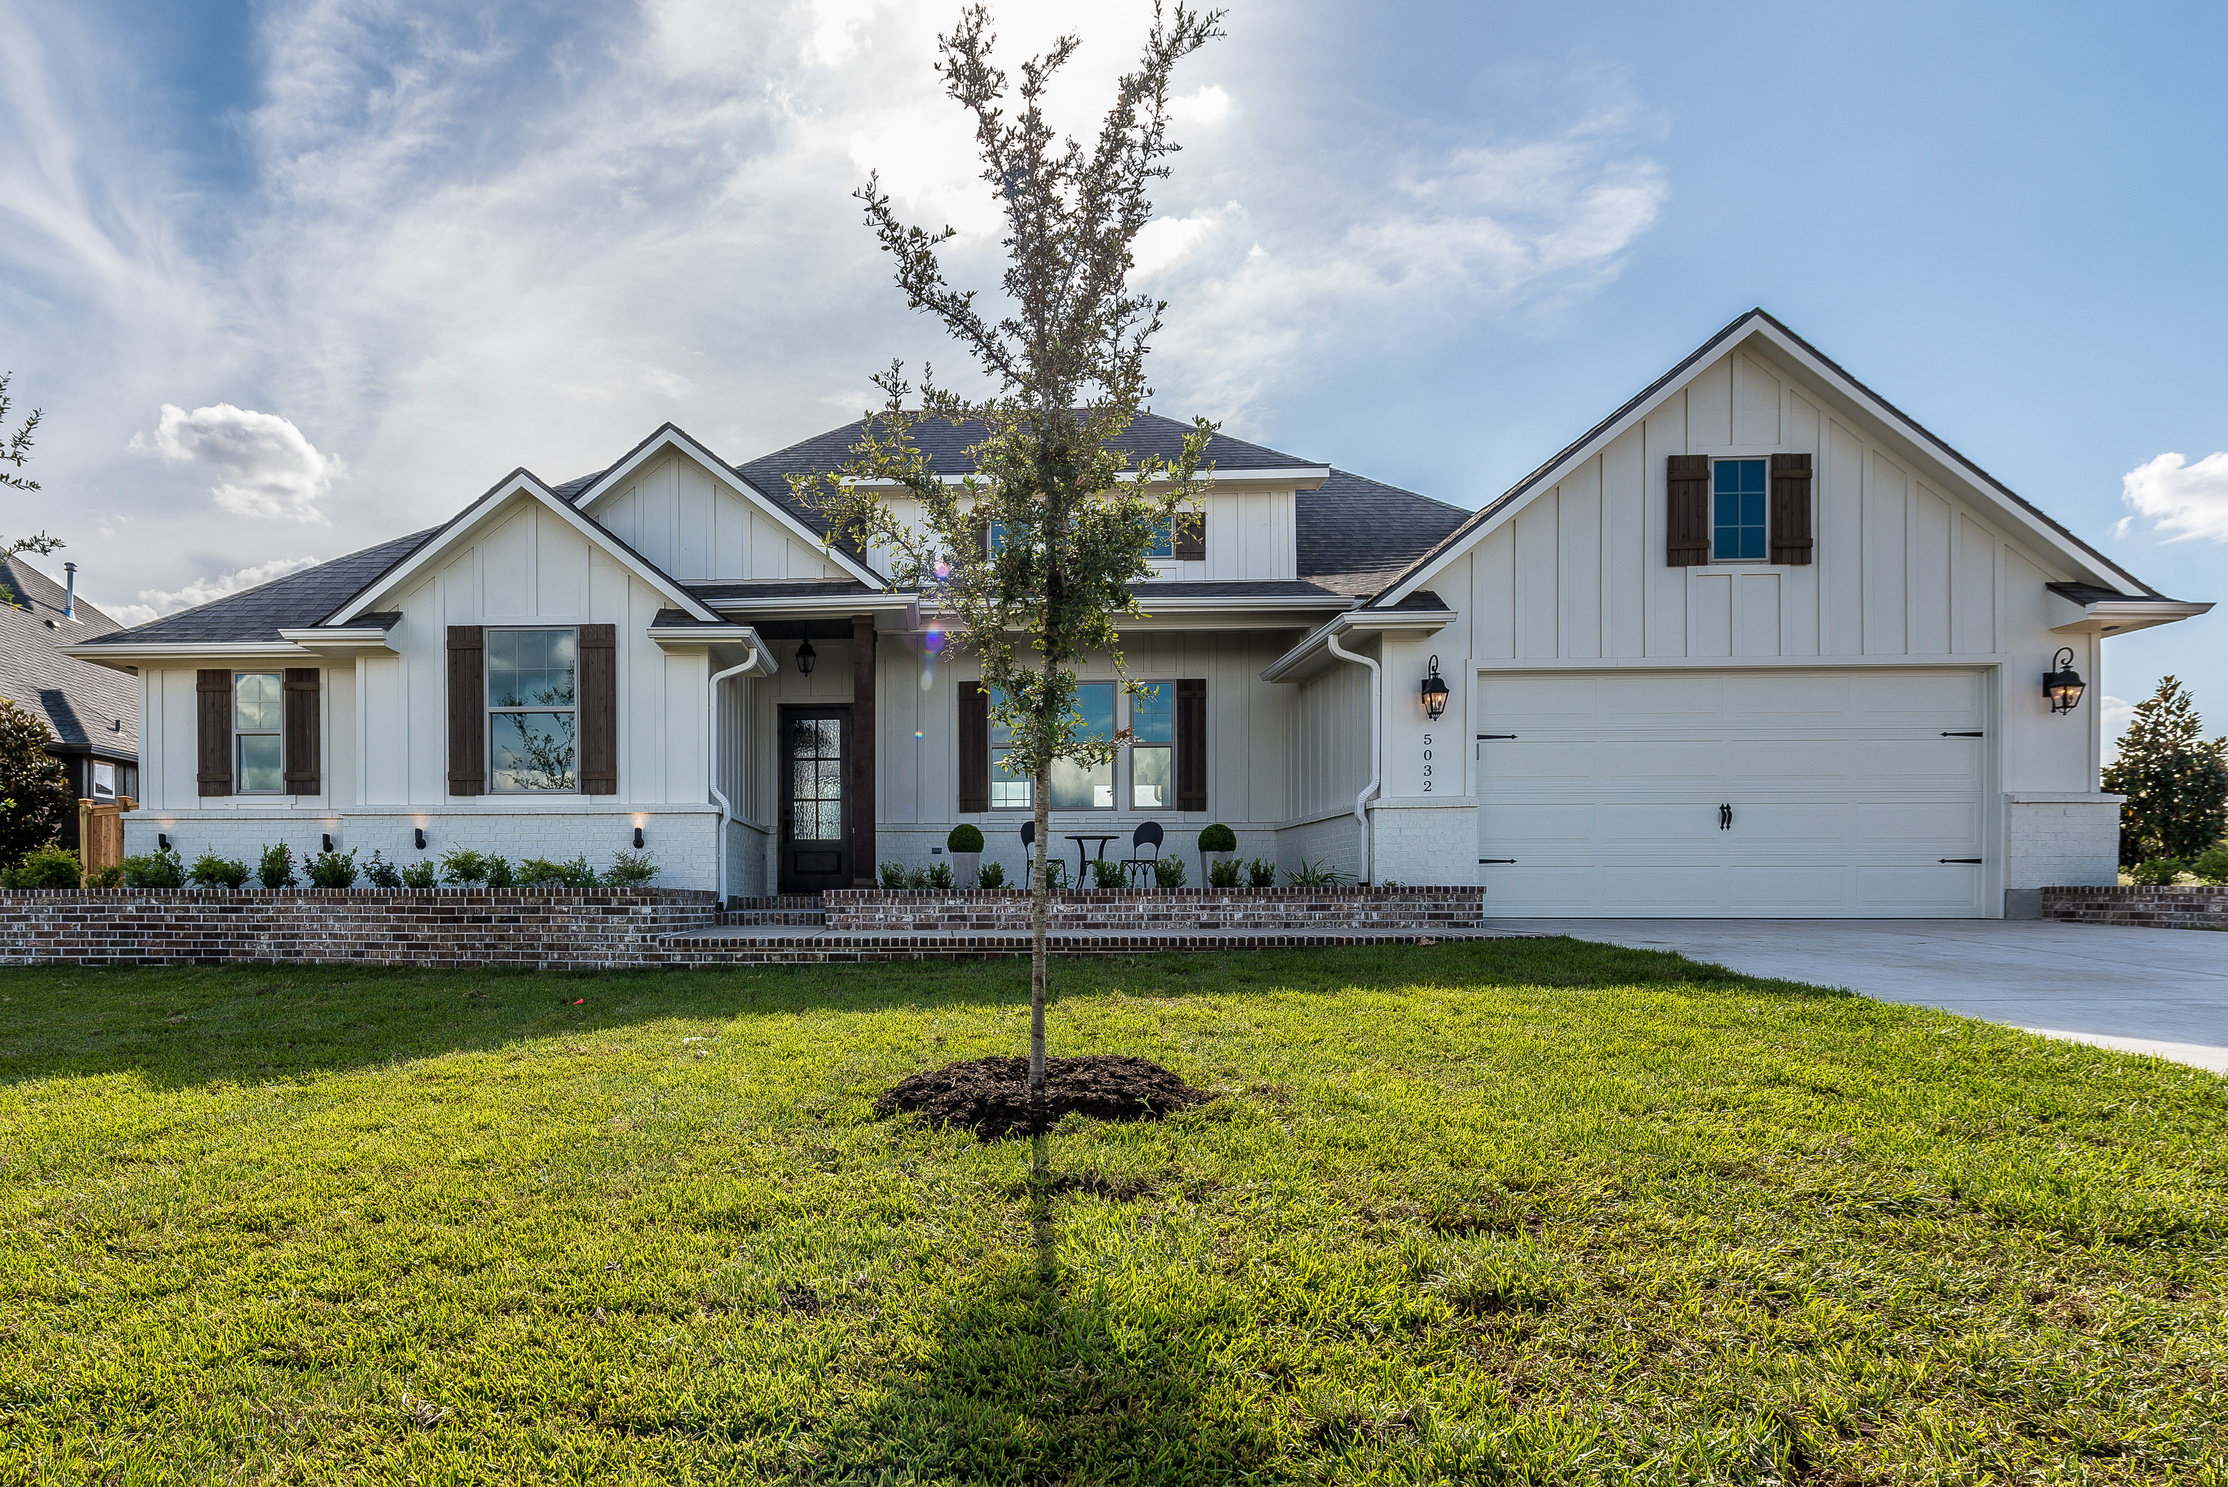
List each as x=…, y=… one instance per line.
x=815, y=799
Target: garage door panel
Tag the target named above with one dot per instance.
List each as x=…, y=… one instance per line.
x=1845, y=793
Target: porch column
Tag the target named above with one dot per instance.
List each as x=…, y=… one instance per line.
x=862, y=751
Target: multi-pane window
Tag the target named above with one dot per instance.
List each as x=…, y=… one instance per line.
x=1152, y=758
x=1090, y=787
x=259, y=748
x=532, y=713
x=1737, y=510
x=815, y=779
x=1164, y=539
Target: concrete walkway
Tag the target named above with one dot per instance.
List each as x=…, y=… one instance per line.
x=2156, y=991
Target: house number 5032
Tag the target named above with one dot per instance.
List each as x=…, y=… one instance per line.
x=1427, y=764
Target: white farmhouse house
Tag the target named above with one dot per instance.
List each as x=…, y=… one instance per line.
x=1756, y=644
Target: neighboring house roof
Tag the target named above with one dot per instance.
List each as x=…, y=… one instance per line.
x=1355, y=535
x=255, y=616
x=85, y=706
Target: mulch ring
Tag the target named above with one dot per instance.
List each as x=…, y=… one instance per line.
x=990, y=1096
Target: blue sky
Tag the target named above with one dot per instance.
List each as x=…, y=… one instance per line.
x=289, y=278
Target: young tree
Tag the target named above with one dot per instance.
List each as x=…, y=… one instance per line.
x=2175, y=781
x=1029, y=560
x=34, y=787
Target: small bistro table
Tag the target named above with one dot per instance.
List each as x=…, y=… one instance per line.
x=1081, y=861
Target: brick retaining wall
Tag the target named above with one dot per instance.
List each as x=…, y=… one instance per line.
x=934, y=911
x=538, y=928
x=2145, y=908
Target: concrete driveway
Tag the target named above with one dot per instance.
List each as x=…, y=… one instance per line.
x=2158, y=991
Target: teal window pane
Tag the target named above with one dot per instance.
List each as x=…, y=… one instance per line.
x=1737, y=510
x=1152, y=713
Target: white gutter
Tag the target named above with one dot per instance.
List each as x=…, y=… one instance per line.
x=1376, y=747
x=719, y=797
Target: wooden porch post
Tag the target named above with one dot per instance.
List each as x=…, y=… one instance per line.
x=862, y=751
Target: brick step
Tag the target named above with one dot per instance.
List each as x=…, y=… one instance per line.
x=747, y=947
x=805, y=918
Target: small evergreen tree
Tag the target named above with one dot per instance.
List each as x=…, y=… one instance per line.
x=2175, y=780
x=34, y=787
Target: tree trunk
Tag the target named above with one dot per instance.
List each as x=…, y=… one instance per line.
x=1040, y=913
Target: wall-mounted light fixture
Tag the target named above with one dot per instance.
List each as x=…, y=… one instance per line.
x=162, y=841
x=806, y=655
x=419, y=834
x=2063, y=685
x=1435, y=691
x=328, y=841
x=638, y=838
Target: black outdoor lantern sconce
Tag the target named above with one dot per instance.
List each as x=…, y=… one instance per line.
x=418, y=836
x=638, y=838
x=806, y=655
x=1435, y=691
x=2063, y=686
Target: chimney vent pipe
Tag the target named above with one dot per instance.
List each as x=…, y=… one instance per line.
x=69, y=594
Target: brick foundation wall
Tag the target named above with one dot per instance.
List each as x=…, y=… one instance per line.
x=1244, y=909
x=537, y=928
x=2144, y=908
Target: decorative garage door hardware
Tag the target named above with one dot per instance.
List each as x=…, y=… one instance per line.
x=1959, y=859
x=1724, y=818
x=1976, y=733
x=1482, y=861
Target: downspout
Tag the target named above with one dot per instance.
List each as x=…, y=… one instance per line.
x=719, y=797
x=1376, y=748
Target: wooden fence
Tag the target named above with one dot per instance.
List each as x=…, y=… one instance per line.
x=100, y=833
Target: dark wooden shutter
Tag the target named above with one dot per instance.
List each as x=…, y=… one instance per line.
x=1191, y=744
x=599, y=709
x=467, y=710
x=1688, y=480
x=974, y=747
x=213, y=709
x=1790, y=508
x=303, y=733
x=1191, y=536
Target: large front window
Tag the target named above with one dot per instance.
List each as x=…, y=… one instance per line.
x=258, y=711
x=1091, y=787
x=532, y=714
x=1152, y=758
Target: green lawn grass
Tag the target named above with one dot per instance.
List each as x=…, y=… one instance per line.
x=1502, y=1211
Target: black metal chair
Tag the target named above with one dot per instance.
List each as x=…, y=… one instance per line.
x=1147, y=834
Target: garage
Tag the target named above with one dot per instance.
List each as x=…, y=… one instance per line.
x=1856, y=791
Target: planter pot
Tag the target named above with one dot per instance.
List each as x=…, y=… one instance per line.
x=964, y=867
x=1207, y=863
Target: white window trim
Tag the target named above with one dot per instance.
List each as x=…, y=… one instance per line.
x=1764, y=560
x=1122, y=765
x=239, y=767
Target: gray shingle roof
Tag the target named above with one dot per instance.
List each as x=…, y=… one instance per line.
x=1232, y=588
x=258, y=614
x=84, y=705
x=749, y=590
x=1355, y=534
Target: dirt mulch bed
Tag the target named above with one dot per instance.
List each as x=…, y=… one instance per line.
x=990, y=1096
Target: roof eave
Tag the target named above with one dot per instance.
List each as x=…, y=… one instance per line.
x=1310, y=655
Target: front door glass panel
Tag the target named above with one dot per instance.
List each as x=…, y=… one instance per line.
x=815, y=750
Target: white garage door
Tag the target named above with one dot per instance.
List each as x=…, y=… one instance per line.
x=1733, y=793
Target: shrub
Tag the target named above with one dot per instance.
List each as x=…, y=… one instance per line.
x=464, y=867
x=2175, y=780
x=1218, y=838
x=276, y=869
x=418, y=875
x=380, y=873
x=1106, y=874
x=211, y=871
x=536, y=872
x=499, y=873
x=2211, y=865
x=1316, y=875
x=964, y=838
x=111, y=876
x=891, y=875
x=333, y=870
x=1225, y=874
x=1055, y=873
x=2156, y=872
x=937, y=875
x=631, y=870
x=33, y=783
x=990, y=875
x=154, y=870
x=43, y=867
x=1168, y=872
x=1260, y=874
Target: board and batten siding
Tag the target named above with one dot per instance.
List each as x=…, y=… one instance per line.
x=1903, y=569
x=700, y=529
x=1249, y=535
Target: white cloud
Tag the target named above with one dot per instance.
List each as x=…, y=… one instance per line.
x=263, y=464
x=155, y=603
x=2178, y=498
x=1167, y=241
x=2118, y=711
x=1207, y=105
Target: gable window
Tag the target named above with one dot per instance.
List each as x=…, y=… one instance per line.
x=533, y=717
x=258, y=746
x=1737, y=511
x=1164, y=539
x=1075, y=786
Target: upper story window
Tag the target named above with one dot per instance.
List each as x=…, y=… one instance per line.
x=1738, y=527
x=1164, y=539
x=533, y=716
x=258, y=745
